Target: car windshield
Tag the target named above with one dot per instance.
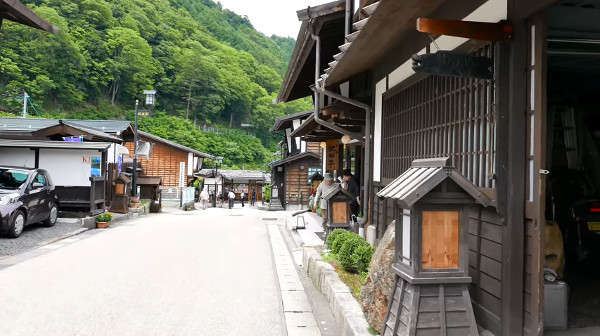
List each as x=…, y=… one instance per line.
x=12, y=179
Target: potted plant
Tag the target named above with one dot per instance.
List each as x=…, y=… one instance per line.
x=134, y=202
x=361, y=220
x=103, y=220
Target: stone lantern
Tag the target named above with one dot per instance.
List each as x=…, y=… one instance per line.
x=431, y=294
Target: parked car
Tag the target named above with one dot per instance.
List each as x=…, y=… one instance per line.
x=27, y=196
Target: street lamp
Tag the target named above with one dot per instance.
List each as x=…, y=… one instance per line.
x=150, y=102
x=217, y=160
x=135, y=141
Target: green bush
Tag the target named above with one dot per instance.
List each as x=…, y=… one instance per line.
x=333, y=235
x=362, y=257
x=346, y=255
x=340, y=240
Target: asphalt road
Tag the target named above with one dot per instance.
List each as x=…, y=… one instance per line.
x=195, y=273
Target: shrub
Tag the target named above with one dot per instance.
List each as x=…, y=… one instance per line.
x=346, y=255
x=333, y=235
x=104, y=217
x=340, y=240
x=362, y=257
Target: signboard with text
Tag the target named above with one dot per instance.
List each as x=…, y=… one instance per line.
x=333, y=155
x=182, y=174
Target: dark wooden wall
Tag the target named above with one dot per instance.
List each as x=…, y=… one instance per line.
x=296, y=181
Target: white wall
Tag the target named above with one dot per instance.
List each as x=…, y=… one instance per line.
x=114, y=151
x=68, y=167
x=20, y=157
x=380, y=88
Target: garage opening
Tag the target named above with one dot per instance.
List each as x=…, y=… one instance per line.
x=573, y=160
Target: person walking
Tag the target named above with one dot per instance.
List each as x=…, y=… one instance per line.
x=231, y=197
x=324, y=188
x=221, y=199
x=354, y=188
x=242, y=196
x=203, y=198
x=253, y=199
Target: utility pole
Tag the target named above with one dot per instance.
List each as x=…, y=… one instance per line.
x=25, y=98
x=135, y=140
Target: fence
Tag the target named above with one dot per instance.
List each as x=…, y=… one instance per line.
x=219, y=130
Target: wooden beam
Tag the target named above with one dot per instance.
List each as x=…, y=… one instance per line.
x=493, y=32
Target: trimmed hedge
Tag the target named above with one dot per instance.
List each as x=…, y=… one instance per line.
x=333, y=235
x=362, y=257
x=340, y=239
x=346, y=255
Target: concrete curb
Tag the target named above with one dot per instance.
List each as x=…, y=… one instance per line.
x=342, y=304
x=70, y=234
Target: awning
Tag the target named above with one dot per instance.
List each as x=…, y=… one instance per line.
x=149, y=180
x=329, y=26
x=286, y=122
x=15, y=11
x=293, y=158
x=422, y=177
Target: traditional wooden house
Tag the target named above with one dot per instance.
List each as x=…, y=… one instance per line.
x=175, y=163
x=78, y=154
x=299, y=161
x=504, y=88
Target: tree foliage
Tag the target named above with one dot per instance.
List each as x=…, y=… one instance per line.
x=208, y=65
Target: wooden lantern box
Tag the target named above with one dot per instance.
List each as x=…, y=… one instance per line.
x=338, y=208
x=431, y=294
x=120, y=201
x=150, y=190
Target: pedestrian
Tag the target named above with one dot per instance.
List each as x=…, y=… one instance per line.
x=324, y=188
x=253, y=199
x=221, y=199
x=353, y=187
x=231, y=197
x=203, y=198
x=242, y=196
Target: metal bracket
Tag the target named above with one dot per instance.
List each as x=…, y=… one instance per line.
x=544, y=172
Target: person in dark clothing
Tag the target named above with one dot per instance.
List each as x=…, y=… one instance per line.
x=253, y=199
x=354, y=189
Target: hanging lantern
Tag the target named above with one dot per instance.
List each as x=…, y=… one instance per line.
x=323, y=144
x=346, y=139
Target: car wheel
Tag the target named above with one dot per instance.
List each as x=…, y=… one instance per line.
x=52, y=216
x=17, y=225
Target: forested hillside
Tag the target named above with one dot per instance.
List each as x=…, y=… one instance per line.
x=208, y=65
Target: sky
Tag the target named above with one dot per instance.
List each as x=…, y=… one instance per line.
x=270, y=17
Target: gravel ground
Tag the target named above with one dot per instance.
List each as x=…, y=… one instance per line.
x=34, y=236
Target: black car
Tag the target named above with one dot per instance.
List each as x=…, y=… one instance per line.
x=27, y=196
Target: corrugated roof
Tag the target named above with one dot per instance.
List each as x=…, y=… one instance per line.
x=254, y=175
x=54, y=144
x=35, y=124
x=424, y=176
x=174, y=144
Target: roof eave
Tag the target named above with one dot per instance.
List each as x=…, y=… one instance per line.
x=19, y=13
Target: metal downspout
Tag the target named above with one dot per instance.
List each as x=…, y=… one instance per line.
x=348, y=17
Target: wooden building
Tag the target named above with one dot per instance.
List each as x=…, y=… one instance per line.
x=298, y=161
x=530, y=121
x=170, y=160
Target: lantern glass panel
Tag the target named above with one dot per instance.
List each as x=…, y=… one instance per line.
x=120, y=189
x=340, y=212
x=406, y=237
x=440, y=249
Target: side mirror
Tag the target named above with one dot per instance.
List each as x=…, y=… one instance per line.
x=37, y=185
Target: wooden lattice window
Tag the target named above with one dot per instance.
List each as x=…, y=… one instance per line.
x=442, y=116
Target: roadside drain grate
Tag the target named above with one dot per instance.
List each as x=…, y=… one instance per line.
x=236, y=215
x=270, y=219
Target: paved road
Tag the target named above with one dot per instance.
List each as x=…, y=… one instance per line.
x=195, y=273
